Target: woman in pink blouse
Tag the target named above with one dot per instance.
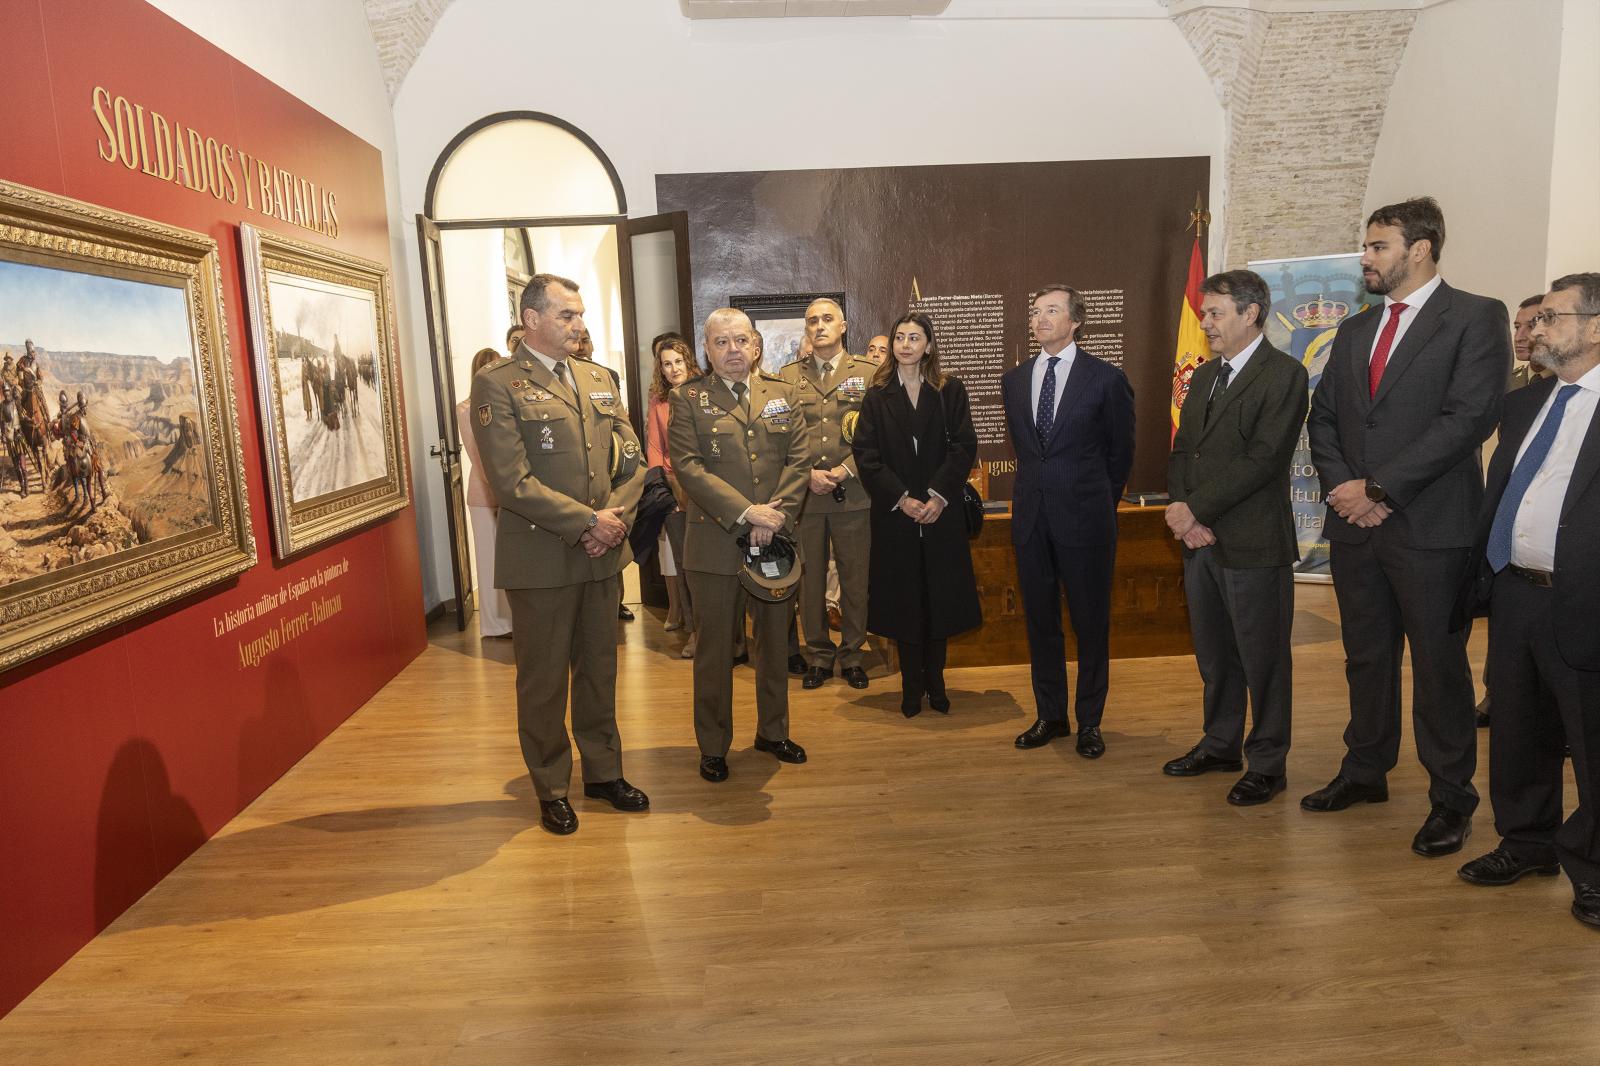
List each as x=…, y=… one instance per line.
x=674, y=364
x=494, y=613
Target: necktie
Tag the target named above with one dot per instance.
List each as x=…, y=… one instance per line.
x=739, y=389
x=1505, y=515
x=565, y=382
x=1220, y=388
x=1044, y=419
x=1380, y=356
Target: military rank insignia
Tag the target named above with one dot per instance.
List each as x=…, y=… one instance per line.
x=485, y=416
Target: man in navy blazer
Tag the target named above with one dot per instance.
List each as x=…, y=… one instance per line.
x=1071, y=421
x=1409, y=394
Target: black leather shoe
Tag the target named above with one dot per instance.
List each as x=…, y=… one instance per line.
x=558, y=816
x=785, y=750
x=623, y=613
x=1254, y=788
x=1341, y=792
x=855, y=677
x=815, y=676
x=1586, y=903
x=1483, y=712
x=797, y=664
x=1041, y=733
x=742, y=658
x=713, y=768
x=1090, y=744
x=1500, y=867
x=618, y=793
x=1443, y=833
x=940, y=703
x=910, y=707
x=1198, y=762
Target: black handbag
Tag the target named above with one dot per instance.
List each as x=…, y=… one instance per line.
x=971, y=502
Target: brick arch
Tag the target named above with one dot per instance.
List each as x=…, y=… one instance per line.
x=400, y=28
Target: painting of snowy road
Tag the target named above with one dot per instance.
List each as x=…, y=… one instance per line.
x=330, y=381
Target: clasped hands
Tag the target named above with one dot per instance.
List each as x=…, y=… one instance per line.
x=1187, y=528
x=605, y=534
x=922, y=512
x=765, y=519
x=1349, y=501
x=825, y=481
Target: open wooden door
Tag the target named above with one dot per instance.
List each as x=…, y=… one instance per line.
x=447, y=449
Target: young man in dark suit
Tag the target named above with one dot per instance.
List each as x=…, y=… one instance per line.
x=1229, y=481
x=1071, y=422
x=1535, y=569
x=1410, y=393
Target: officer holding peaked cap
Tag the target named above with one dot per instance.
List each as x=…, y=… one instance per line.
x=555, y=442
x=741, y=451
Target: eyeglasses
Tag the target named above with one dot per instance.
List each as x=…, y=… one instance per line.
x=1548, y=318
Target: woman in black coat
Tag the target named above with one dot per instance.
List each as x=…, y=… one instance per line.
x=914, y=446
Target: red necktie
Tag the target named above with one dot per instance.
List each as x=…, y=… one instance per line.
x=1380, y=357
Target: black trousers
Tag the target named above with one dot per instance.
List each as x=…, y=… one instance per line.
x=1044, y=569
x=1241, y=620
x=1391, y=596
x=1540, y=702
x=922, y=661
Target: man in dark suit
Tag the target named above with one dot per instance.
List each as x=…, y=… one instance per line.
x=1408, y=396
x=1071, y=422
x=1534, y=567
x=1229, y=481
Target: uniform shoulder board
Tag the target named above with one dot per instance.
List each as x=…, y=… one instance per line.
x=776, y=377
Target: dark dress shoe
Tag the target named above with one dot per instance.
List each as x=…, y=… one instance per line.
x=713, y=768
x=1041, y=733
x=1198, y=762
x=815, y=677
x=1443, y=833
x=910, y=707
x=1483, y=712
x=797, y=664
x=855, y=677
x=742, y=658
x=558, y=816
x=623, y=613
x=1090, y=744
x=1341, y=792
x=618, y=793
x=1254, y=788
x=1586, y=903
x=785, y=750
x=1500, y=867
x=940, y=703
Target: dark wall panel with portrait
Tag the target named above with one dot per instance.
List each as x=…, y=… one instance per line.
x=968, y=243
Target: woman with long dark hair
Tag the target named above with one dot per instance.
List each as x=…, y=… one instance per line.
x=674, y=364
x=914, y=446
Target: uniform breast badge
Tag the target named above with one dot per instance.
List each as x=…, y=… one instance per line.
x=547, y=439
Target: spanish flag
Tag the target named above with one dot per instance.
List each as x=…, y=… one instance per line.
x=1192, y=347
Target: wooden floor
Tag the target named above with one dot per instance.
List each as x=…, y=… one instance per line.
x=920, y=892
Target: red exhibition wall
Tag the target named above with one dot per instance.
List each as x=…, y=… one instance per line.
x=122, y=753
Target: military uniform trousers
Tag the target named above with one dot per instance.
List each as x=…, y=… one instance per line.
x=719, y=600
x=846, y=537
x=554, y=631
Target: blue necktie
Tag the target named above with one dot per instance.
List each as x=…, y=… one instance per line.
x=1505, y=516
x=1044, y=420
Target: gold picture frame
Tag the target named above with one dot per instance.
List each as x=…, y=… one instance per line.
x=122, y=317
x=322, y=328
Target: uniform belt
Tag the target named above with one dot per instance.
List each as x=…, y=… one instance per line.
x=1543, y=578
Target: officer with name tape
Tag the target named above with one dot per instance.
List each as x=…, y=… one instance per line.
x=551, y=430
x=741, y=451
x=834, y=521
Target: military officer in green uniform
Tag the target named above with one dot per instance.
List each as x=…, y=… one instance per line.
x=740, y=449
x=546, y=425
x=831, y=384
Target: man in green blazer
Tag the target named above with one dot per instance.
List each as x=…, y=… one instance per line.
x=741, y=451
x=545, y=422
x=1228, y=477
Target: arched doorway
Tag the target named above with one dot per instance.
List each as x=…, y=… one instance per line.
x=518, y=193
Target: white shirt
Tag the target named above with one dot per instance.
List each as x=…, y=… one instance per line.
x=1063, y=368
x=1237, y=363
x=1533, y=535
x=1413, y=304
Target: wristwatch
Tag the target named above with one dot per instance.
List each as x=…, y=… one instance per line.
x=1375, y=491
x=594, y=516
